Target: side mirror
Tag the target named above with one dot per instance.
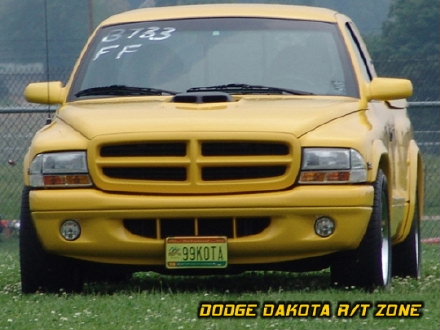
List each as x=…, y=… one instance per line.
x=386, y=89
x=51, y=92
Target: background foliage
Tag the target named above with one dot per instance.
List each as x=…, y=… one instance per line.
x=409, y=45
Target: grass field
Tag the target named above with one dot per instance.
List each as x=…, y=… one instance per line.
x=151, y=301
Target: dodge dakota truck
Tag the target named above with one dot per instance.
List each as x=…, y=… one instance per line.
x=215, y=139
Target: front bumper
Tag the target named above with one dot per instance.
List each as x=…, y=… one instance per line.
x=289, y=236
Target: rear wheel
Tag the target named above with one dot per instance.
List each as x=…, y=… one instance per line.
x=407, y=255
x=369, y=266
x=41, y=271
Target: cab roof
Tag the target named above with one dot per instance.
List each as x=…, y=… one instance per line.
x=224, y=10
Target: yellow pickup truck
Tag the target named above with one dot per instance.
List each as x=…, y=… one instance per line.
x=218, y=139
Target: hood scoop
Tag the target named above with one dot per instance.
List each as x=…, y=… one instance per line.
x=202, y=97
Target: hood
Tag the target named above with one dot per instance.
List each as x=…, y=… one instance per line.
x=294, y=115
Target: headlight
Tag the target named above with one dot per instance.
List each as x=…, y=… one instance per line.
x=60, y=169
x=332, y=165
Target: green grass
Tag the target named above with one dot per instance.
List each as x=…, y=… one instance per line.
x=151, y=301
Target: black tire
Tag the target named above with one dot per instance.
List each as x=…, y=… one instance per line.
x=407, y=256
x=41, y=271
x=369, y=266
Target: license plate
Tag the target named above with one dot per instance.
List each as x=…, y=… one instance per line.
x=196, y=252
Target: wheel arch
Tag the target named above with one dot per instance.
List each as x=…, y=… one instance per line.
x=380, y=161
x=417, y=175
x=416, y=190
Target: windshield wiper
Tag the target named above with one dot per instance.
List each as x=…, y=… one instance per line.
x=248, y=89
x=122, y=90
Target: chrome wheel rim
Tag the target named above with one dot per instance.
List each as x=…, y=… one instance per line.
x=385, y=248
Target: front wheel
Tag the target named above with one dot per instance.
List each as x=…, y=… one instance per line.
x=41, y=271
x=369, y=266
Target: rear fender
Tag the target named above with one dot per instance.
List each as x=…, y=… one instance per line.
x=416, y=190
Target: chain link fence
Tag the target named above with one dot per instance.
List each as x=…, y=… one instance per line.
x=423, y=72
x=20, y=120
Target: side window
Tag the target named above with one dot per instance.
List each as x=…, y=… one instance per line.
x=361, y=53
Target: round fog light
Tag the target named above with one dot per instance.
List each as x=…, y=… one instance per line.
x=324, y=226
x=70, y=230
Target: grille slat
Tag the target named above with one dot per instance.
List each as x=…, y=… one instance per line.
x=156, y=149
x=147, y=173
x=241, y=172
x=244, y=149
x=221, y=226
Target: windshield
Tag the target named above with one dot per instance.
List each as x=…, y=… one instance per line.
x=173, y=56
